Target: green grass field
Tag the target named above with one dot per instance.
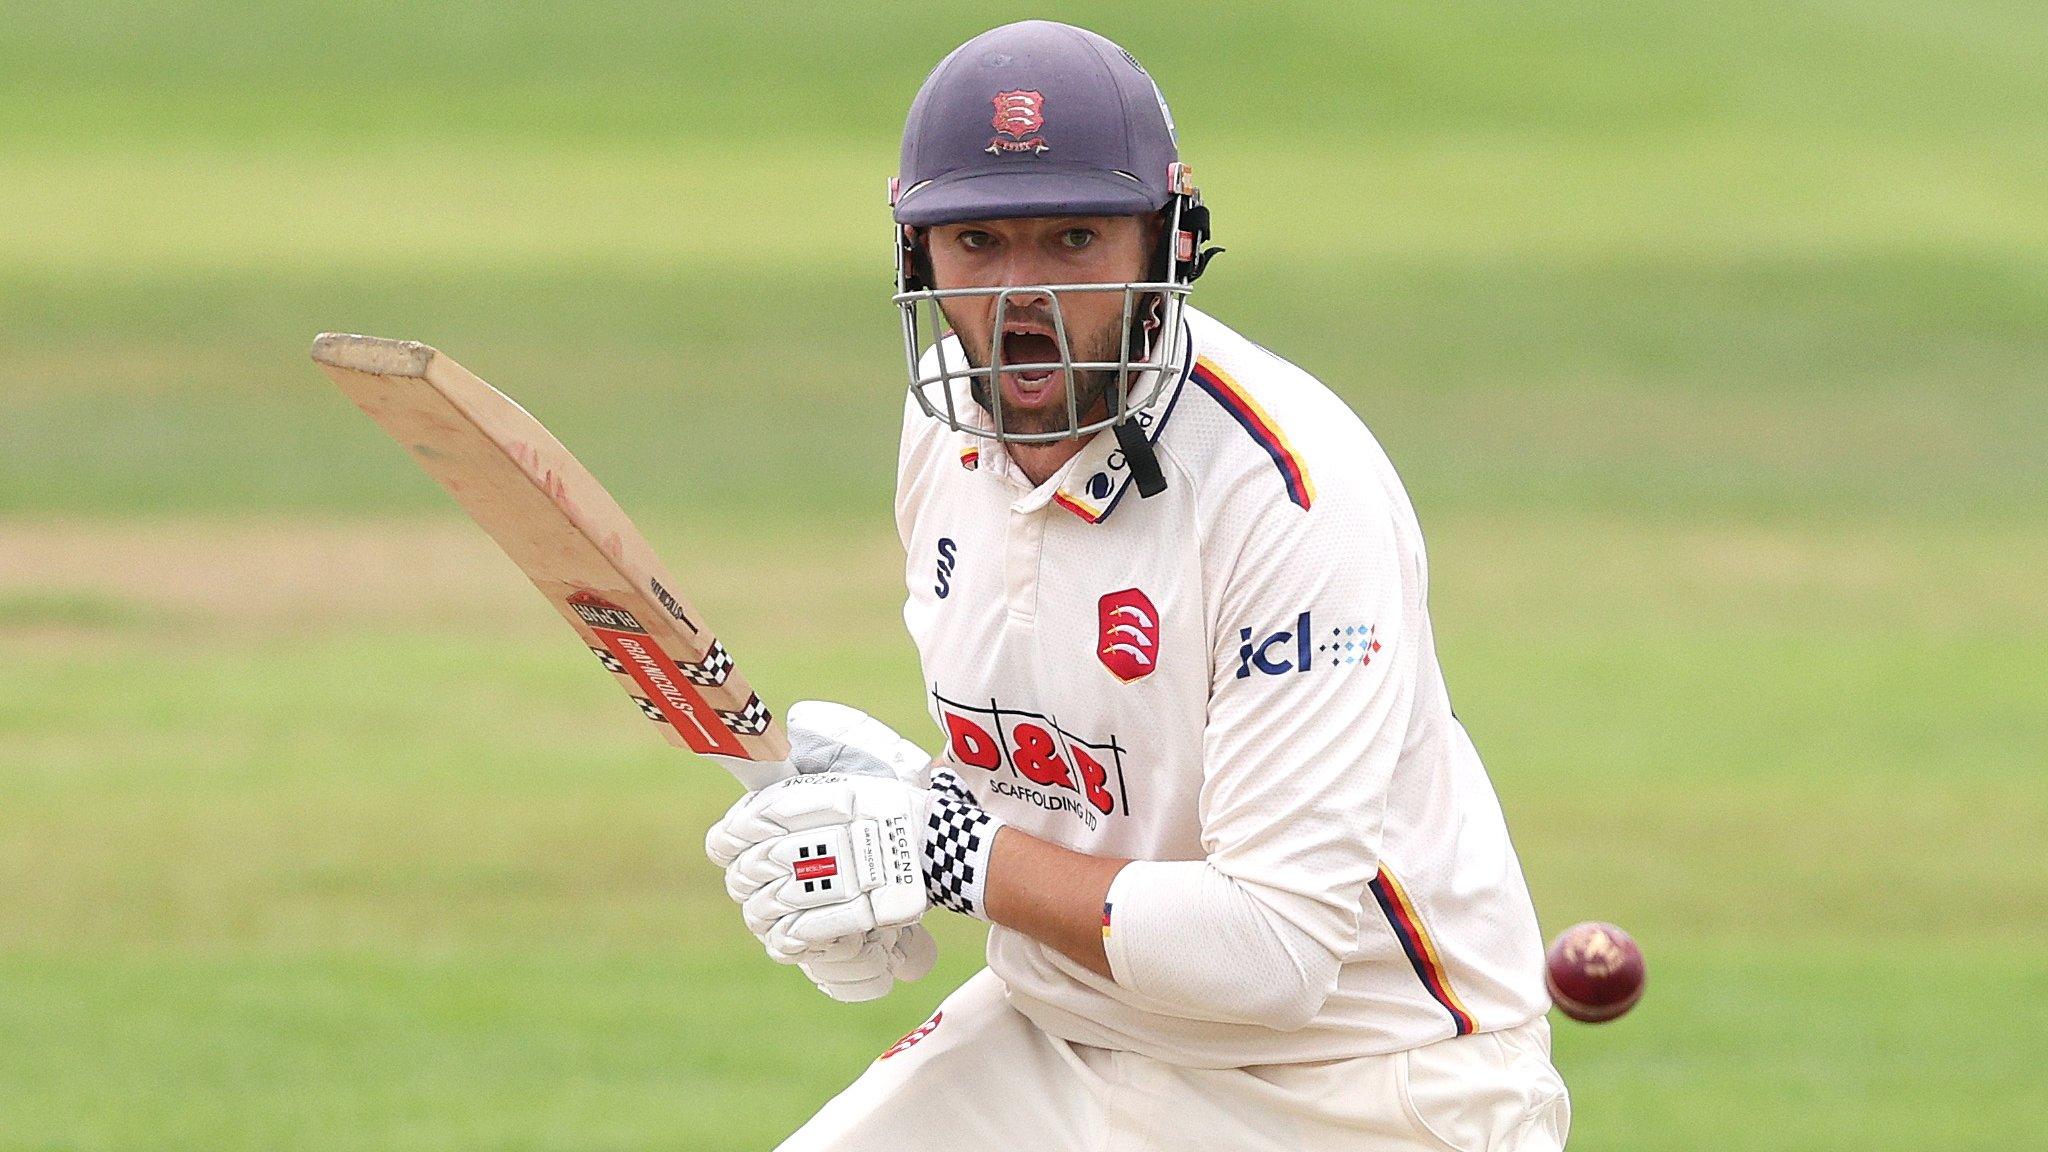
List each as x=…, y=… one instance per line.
x=1712, y=340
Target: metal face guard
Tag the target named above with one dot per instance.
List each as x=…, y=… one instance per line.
x=1151, y=310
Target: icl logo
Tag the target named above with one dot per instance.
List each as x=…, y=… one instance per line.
x=1291, y=647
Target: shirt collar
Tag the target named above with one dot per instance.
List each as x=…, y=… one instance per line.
x=1095, y=480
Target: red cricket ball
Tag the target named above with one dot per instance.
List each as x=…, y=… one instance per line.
x=1594, y=972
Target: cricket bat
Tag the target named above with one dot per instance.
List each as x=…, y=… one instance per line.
x=570, y=537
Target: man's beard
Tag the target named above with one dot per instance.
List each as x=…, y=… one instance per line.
x=1091, y=395
x=1091, y=387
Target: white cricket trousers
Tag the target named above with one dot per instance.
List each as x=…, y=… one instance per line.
x=982, y=1076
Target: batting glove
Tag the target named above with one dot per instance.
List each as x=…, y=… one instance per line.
x=813, y=859
x=867, y=966
x=826, y=737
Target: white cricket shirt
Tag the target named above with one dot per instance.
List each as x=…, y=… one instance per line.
x=1239, y=670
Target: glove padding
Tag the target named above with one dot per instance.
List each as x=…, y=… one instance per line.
x=821, y=734
x=866, y=967
x=813, y=858
x=828, y=737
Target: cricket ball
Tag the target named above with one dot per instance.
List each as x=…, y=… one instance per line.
x=1594, y=971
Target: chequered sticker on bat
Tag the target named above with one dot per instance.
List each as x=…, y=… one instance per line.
x=610, y=661
x=751, y=720
x=712, y=670
x=647, y=706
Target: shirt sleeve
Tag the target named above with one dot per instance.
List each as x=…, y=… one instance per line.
x=1312, y=683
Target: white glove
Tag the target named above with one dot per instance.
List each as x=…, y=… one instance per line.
x=818, y=730
x=816, y=858
x=842, y=850
x=867, y=965
x=812, y=859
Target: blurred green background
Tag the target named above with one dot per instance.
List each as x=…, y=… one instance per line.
x=1711, y=338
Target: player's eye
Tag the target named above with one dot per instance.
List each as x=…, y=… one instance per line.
x=1077, y=238
x=975, y=241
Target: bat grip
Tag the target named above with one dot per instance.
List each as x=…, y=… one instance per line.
x=756, y=774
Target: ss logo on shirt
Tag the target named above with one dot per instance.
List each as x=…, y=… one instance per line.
x=945, y=567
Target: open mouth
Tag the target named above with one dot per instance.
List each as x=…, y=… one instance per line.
x=1021, y=347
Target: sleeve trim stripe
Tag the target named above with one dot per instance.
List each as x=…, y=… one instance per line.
x=1259, y=423
x=1421, y=950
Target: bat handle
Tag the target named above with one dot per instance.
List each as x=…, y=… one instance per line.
x=756, y=774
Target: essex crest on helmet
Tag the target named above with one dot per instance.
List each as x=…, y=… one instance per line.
x=1019, y=113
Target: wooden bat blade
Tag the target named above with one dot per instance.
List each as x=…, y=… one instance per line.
x=564, y=530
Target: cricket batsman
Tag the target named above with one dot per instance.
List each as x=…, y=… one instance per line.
x=1248, y=885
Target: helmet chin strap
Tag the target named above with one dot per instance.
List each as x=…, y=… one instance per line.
x=1138, y=454
x=1184, y=258
x=1130, y=437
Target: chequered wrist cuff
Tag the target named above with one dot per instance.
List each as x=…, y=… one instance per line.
x=958, y=839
